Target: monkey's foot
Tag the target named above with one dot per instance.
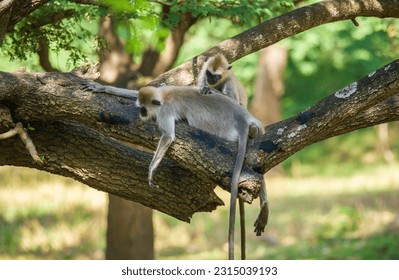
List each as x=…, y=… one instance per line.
x=153, y=185
x=262, y=220
x=253, y=131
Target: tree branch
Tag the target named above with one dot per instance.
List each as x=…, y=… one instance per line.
x=5, y=12
x=19, y=130
x=353, y=107
x=44, y=55
x=75, y=151
x=94, y=138
x=87, y=2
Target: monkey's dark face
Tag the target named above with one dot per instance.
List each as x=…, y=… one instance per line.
x=212, y=78
x=149, y=111
x=149, y=101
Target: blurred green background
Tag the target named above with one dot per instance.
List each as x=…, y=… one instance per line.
x=338, y=199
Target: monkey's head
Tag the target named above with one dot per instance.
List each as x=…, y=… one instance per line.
x=217, y=70
x=149, y=100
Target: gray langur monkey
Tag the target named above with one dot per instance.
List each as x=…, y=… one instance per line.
x=214, y=113
x=216, y=76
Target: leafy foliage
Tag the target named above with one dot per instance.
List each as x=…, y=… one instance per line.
x=133, y=19
x=339, y=50
x=65, y=25
x=58, y=24
x=238, y=12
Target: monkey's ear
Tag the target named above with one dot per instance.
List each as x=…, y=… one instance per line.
x=156, y=102
x=229, y=67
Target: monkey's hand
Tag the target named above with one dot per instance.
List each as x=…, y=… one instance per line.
x=153, y=185
x=262, y=219
x=207, y=90
x=94, y=87
x=151, y=182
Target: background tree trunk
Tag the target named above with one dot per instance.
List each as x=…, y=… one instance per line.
x=130, y=233
x=383, y=145
x=269, y=88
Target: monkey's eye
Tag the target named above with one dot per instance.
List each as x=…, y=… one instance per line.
x=156, y=102
x=229, y=67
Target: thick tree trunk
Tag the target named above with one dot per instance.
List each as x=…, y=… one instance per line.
x=130, y=233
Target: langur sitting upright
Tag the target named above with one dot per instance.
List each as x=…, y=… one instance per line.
x=216, y=74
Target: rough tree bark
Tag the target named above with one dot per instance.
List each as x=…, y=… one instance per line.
x=98, y=139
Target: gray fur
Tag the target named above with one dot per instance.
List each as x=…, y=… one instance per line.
x=229, y=84
x=215, y=114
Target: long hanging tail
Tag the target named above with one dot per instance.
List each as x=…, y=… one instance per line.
x=241, y=207
x=242, y=145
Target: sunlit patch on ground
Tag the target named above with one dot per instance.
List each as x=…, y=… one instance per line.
x=43, y=216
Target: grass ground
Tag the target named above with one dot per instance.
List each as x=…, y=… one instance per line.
x=43, y=216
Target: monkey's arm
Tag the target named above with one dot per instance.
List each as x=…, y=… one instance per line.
x=230, y=88
x=203, y=85
x=121, y=92
x=163, y=146
x=167, y=126
x=208, y=90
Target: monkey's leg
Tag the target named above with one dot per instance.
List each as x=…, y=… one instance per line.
x=242, y=227
x=263, y=216
x=163, y=146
